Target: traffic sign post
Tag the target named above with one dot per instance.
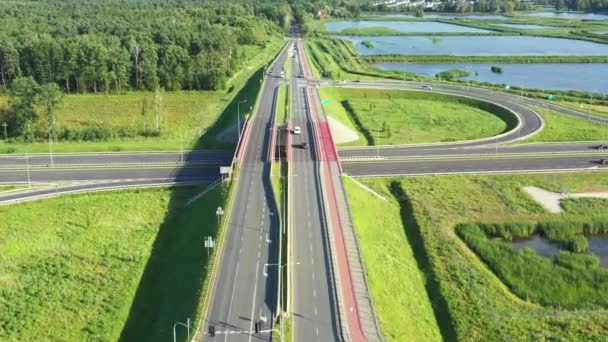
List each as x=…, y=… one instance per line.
x=209, y=243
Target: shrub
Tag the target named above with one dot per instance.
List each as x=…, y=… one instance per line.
x=452, y=74
x=577, y=261
x=367, y=44
x=496, y=69
x=577, y=244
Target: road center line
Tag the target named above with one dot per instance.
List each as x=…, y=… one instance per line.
x=255, y=289
x=236, y=275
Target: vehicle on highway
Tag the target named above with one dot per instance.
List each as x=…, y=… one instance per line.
x=604, y=161
x=428, y=87
x=304, y=145
x=282, y=74
x=296, y=130
x=602, y=147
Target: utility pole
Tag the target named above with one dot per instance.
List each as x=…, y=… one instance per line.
x=4, y=124
x=27, y=167
x=51, y=144
x=181, y=145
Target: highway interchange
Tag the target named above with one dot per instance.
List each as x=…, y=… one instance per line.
x=245, y=288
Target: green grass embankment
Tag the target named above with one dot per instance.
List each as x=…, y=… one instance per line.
x=470, y=301
x=396, y=280
x=388, y=117
x=104, y=266
x=561, y=127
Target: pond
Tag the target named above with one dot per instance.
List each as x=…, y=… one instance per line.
x=444, y=16
x=402, y=26
x=587, y=16
x=598, y=245
x=477, y=46
x=555, y=76
x=525, y=26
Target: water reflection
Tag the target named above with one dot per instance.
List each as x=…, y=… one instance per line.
x=598, y=245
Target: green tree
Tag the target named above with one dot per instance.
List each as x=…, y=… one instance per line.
x=23, y=94
x=9, y=62
x=49, y=99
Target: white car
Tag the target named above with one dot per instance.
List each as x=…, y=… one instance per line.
x=296, y=130
x=428, y=87
x=282, y=74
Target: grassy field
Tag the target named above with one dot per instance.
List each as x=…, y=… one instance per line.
x=560, y=127
x=102, y=266
x=469, y=301
x=187, y=118
x=396, y=281
x=600, y=110
x=401, y=117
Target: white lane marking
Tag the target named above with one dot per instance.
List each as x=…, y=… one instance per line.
x=314, y=293
x=317, y=332
x=316, y=312
x=236, y=275
x=313, y=276
x=240, y=250
x=255, y=290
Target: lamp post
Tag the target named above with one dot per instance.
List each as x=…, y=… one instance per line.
x=27, y=167
x=238, y=107
x=51, y=144
x=187, y=325
x=280, y=289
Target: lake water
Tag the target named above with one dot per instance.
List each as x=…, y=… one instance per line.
x=525, y=26
x=587, y=16
x=598, y=245
x=444, y=16
x=402, y=26
x=566, y=76
x=477, y=46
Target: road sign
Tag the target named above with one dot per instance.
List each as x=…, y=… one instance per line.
x=225, y=170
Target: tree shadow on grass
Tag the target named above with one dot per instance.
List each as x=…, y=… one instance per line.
x=228, y=117
x=360, y=127
x=414, y=237
x=171, y=286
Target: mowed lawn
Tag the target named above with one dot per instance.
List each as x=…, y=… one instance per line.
x=103, y=266
x=185, y=116
x=389, y=117
x=562, y=127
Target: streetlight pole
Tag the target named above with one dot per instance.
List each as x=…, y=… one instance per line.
x=187, y=325
x=238, y=108
x=280, y=289
x=51, y=144
x=27, y=167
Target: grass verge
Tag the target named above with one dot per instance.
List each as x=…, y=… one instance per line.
x=561, y=127
x=396, y=282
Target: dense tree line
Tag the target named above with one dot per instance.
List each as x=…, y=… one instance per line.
x=582, y=5
x=93, y=46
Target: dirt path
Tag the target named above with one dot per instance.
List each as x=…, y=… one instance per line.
x=551, y=200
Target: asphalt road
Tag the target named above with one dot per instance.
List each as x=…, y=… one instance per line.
x=447, y=150
x=486, y=165
x=168, y=173
x=314, y=297
x=242, y=293
x=115, y=158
